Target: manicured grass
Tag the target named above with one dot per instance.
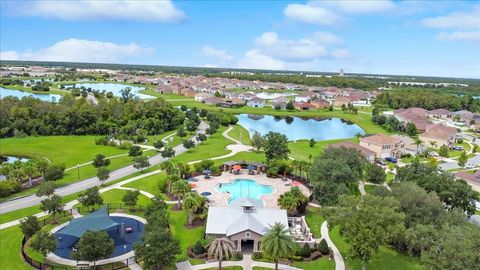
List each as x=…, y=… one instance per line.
x=390, y=177
x=232, y=268
x=153, y=138
x=69, y=150
x=361, y=119
x=261, y=268
x=385, y=258
x=19, y=214
x=116, y=195
x=323, y=263
x=314, y=221
x=187, y=237
x=11, y=244
x=247, y=156
x=154, y=93
x=53, y=90
x=412, y=158
x=148, y=184
x=301, y=149
x=214, y=146
x=240, y=133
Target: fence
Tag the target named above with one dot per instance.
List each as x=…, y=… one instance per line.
x=109, y=266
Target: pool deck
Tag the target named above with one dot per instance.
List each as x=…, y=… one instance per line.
x=221, y=198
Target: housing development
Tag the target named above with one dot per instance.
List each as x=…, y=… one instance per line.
x=297, y=155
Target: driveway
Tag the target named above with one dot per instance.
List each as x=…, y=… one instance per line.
x=32, y=200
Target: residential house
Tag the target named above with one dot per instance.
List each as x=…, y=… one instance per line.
x=342, y=100
x=320, y=103
x=303, y=106
x=410, y=144
x=439, y=135
x=256, y=102
x=244, y=222
x=367, y=153
x=463, y=116
x=305, y=96
x=383, y=145
x=246, y=96
x=440, y=113
x=187, y=92
x=200, y=97
x=280, y=99
x=279, y=105
x=213, y=101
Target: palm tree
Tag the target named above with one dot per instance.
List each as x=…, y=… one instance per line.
x=418, y=142
x=288, y=202
x=168, y=167
x=219, y=248
x=171, y=179
x=277, y=243
x=179, y=189
x=30, y=170
x=191, y=203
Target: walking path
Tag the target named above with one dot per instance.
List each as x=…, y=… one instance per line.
x=337, y=256
x=33, y=200
x=234, y=148
x=247, y=263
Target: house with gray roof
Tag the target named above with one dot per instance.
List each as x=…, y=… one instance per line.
x=244, y=222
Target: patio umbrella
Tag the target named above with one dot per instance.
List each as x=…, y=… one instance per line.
x=207, y=171
x=206, y=194
x=193, y=185
x=237, y=167
x=296, y=183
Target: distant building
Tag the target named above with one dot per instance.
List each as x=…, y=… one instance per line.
x=439, y=135
x=320, y=103
x=383, y=145
x=200, y=97
x=213, y=101
x=256, y=102
x=341, y=74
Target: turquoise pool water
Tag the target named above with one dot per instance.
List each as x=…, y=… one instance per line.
x=245, y=188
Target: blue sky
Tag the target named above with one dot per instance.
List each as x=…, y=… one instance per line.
x=438, y=38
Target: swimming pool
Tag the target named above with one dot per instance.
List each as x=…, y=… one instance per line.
x=244, y=188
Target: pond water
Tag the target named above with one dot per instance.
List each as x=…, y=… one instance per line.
x=270, y=95
x=296, y=128
x=10, y=159
x=20, y=94
x=244, y=188
x=115, y=88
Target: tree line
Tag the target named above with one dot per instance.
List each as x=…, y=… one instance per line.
x=426, y=99
x=29, y=116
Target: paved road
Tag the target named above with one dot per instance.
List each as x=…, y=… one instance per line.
x=32, y=200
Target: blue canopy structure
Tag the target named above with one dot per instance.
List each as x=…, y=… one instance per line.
x=96, y=221
x=207, y=171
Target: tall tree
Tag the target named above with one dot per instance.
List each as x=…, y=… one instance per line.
x=93, y=246
x=220, y=248
x=130, y=198
x=46, y=189
x=135, y=151
x=168, y=152
x=276, y=146
x=90, y=197
x=366, y=222
x=30, y=170
x=53, y=205
x=191, y=203
x=44, y=242
x=29, y=226
x=179, y=189
x=375, y=174
x=462, y=159
x=277, y=243
x=140, y=162
x=100, y=161
x=103, y=174
x=257, y=141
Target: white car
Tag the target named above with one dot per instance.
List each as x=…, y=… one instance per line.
x=470, y=166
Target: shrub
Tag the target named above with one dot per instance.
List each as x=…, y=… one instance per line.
x=323, y=247
x=102, y=140
x=257, y=255
x=54, y=172
x=306, y=251
x=237, y=256
x=125, y=145
x=9, y=187
x=162, y=185
x=198, y=248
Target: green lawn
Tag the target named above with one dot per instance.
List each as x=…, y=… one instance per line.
x=10, y=245
x=385, y=258
x=248, y=156
x=187, y=237
x=320, y=264
x=390, y=177
x=240, y=133
x=214, y=146
x=314, y=221
x=69, y=150
x=116, y=195
x=361, y=119
x=153, y=138
x=152, y=92
x=53, y=90
x=148, y=184
x=301, y=149
x=232, y=268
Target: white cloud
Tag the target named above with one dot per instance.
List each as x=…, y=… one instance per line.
x=80, y=50
x=354, y=7
x=456, y=20
x=333, y=12
x=215, y=53
x=272, y=52
x=467, y=25
x=473, y=36
x=156, y=11
x=308, y=13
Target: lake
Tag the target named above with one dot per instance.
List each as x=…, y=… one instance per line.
x=20, y=94
x=113, y=87
x=296, y=128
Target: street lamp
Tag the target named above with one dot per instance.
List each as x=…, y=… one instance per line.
x=78, y=171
